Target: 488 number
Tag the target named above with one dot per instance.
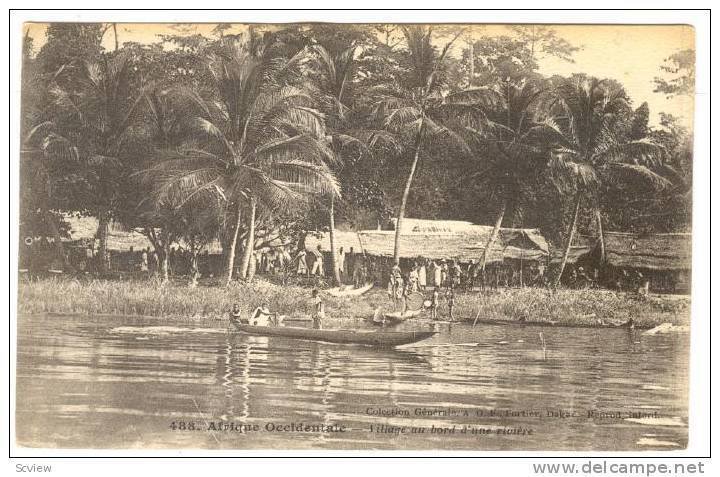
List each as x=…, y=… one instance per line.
x=183, y=426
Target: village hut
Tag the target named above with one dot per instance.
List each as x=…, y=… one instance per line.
x=515, y=250
x=662, y=260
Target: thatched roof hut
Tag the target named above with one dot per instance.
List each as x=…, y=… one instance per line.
x=581, y=250
x=660, y=252
x=83, y=229
x=441, y=239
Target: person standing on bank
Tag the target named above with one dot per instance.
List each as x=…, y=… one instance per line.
x=318, y=310
x=435, y=303
x=413, y=278
x=318, y=269
x=341, y=263
x=350, y=263
x=437, y=274
x=450, y=296
x=144, y=260
x=422, y=275
x=302, y=268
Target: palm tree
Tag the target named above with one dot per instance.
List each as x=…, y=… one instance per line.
x=262, y=145
x=589, y=144
x=96, y=109
x=411, y=111
x=165, y=120
x=333, y=75
x=512, y=144
x=45, y=155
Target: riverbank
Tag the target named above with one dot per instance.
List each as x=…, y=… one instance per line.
x=208, y=302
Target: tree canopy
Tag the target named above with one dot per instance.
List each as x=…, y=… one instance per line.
x=239, y=137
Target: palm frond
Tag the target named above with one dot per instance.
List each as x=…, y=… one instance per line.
x=580, y=172
x=486, y=98
x=399, y=117
x=316, y=177
x=55, y=146
x=642, y=151
x=213, y=131
x=301, y=146
x=652, y=178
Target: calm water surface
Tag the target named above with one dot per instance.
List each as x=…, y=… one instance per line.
x=86, y=382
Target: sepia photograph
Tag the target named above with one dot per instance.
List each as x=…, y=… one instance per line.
x=333, y=236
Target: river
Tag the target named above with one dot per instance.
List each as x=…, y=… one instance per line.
x=123, y=382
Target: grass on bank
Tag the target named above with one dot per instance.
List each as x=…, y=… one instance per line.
x=207, y=302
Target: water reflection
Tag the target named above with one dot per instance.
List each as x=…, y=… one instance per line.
x=97, y=383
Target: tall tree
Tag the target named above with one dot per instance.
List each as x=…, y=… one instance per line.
x=590, y=144
x=334, y=76
x=408, y=110
x=509, y=145
x=679, y=74
x=544, y=40
x=260, y=145
x=67, y=43
x=95, y=108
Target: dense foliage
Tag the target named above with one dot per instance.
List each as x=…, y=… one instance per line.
x=284, y=130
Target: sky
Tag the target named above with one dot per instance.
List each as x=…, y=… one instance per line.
x=631, y=54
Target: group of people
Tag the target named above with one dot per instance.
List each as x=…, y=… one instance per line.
x=439, y=274
x=352, y=267
x=454, y=274
x=180, y=261
x=400, y=288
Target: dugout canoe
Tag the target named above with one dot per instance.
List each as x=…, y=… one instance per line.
x=349, y=291
x=398, y=316
x=380, y=339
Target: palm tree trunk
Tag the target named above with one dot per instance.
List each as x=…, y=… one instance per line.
x=194, y=272
x=493, y=236
x=59, y=247
x=165, y=259
x=114, y=26
x=406, y=192
x=471, y=53
x=252, y=269
x=102, y=234
x=230, y=258
x=570, y=234
x=333, y=250
x=249, y=242
x=601, y=236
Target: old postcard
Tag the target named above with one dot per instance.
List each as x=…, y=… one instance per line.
x=337, y=236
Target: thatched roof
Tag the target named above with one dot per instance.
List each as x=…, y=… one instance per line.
x=627, y=250
x=652, y=252
x=438, y=242
x=582, y=247
x=83, y=230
